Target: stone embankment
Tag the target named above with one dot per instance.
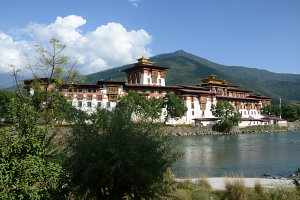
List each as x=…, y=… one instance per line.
x=197, y=130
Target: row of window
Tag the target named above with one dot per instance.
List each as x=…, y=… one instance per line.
x=80, y=90
x=89, y=104
x=252, y=112
x=88, y=97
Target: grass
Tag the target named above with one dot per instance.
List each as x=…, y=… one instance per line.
x=234, y=190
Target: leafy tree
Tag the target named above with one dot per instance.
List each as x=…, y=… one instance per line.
x=174, y=106
x=227, y=116
x=5, y=98
x=290, y=112
x=25, y=170
x=140, y=107
x=271, y=110
x=151, y=109
x=120, y=160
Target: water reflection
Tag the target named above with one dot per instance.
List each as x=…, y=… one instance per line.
x=251, y=154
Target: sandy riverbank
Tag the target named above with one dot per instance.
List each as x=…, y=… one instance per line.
x=218, y=183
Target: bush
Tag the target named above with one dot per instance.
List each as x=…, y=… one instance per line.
x=236, y=190
x=120, y=160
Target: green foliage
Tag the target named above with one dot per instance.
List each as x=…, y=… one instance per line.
x=120, y=159
x=25, y=172
x=227, y=116
x=271, y=110
x=5, y=98
x=290, y=112
x=174, y=106
x=145, y=109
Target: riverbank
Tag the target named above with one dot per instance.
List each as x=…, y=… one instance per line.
x=219, y=183
x=191, y=130
x=233, y=189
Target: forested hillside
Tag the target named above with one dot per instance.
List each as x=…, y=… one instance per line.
x=188, y=69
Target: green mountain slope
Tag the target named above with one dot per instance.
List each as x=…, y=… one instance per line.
x=188, y=69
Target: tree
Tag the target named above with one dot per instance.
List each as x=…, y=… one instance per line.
x=5, y=98
x=150, y=109
x=174, y=106
x=120, y=159
x=290, y=112
x=271, y=110
x=227, y=116
x=25, y=170
x=29, y=158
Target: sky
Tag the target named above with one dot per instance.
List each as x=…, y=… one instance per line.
x=103, y=34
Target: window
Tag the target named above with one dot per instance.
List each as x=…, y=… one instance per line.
x=79, y=90
x=113, y=90
x=89, y=97
x=113, y=97
x=245, y=112
x=79, y=103
x=94, y=90
x=99, y=97
x=80, y=97
x=148, y=80
x=159, y=81
x=108, y=104
x=70, y=90
x=99, y=104
x=193, y=112
x=89, y=104
x=89, y=90
x=203, y=112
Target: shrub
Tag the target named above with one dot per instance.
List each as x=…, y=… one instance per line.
x=236, y=189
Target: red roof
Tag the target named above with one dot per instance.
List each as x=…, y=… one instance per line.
x=237, y=89
x=196, y=91
x=272, y=117
x=260, y=96
x=248, y=119
x=195, y=87
x=236, y=98
x=145, y=66
x=152, y=86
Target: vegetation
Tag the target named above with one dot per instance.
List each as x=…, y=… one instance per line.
x=174, y=106
x=227, y=116
x=144, y=109
x=234, y=190
x=5, y=98
x=288, y=112
x=118, y=159
x=108, y=155
x=25, y=170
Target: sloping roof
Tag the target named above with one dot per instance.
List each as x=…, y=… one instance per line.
x=151, y=86
x=111, y=82
x=236, y=98
x=196, y=91
x=272, y=117
x=133, y=68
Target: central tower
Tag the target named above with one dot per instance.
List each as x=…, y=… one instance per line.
x=145, y=73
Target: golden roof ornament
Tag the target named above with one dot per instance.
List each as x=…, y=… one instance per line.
x=143, y=61
x=212, y=76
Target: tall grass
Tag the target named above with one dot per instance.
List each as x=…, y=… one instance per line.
x=236, y=189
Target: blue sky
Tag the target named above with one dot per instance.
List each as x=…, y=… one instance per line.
x=263, y=34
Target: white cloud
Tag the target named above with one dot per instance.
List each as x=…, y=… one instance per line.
x=134, y=2
x=108, y=46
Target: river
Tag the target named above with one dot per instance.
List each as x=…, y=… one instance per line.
x=251, y=155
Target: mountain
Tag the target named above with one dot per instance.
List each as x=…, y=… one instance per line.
x=188, y=69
